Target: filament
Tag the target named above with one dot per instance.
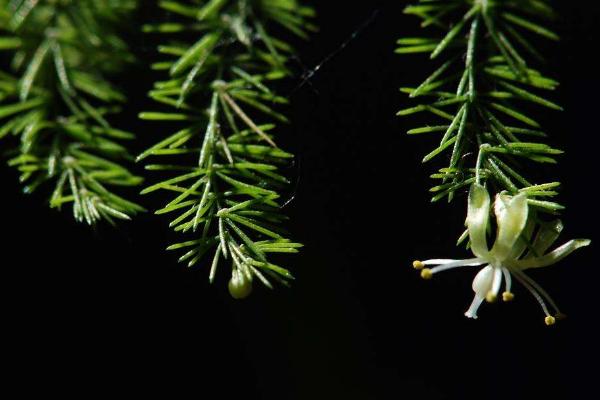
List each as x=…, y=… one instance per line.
x=507, y=278
x=455, y=264
x=538, y=288
x=535, y=294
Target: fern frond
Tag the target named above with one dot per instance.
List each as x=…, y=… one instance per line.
x=57, y=103
x=222, y=164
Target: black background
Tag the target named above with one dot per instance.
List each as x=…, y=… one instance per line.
x=109, y=311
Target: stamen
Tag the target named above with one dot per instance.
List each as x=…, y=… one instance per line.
x=492, y=295
x=507, y=295
x=550, y=320
x=426, y=273
x=418, y=265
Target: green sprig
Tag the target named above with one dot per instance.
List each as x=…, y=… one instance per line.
x=481, y=94
x=222, y=164
x=57, y=102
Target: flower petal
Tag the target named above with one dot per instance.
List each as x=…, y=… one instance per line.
x=511, y=217
x=477, y=218
x=472, y=311
x=482, y=283
x=554, y=256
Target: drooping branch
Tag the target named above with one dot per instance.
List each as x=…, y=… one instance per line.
x=57, y=103
x=222, y=164
x=481, y=94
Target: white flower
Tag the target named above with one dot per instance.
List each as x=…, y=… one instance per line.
x=508, y=256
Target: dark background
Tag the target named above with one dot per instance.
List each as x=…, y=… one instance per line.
x=109, y=311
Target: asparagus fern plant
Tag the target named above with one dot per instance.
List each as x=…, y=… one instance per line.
x=482, y=96
x=221, y=164
x=56, y=105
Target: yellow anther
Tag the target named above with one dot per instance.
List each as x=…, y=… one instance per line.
x=491, y=297
x=507, y=296
x=418, y=265
x=549, y=320
x=426, y=273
